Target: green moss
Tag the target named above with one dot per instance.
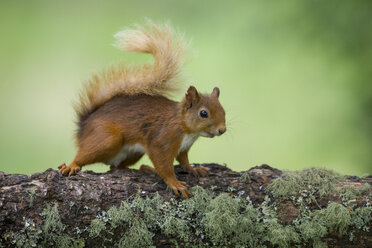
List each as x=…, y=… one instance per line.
x=199, y=202
x=348, y=193
x=366, y=187
x=150, y=208
x=177, y=228
x=96, y=227
x=319, y=244
x=54, y=230
x=248, y=231
x=282, y=236
x=51, y=234
x=52, y=220
x=317, y=180
x=206, y=220
x=189, y=212
x=27, y=237
x=335, y=217
x=313, y=231
x=221, y=218
x=120, y=216
x=32, y=194
x=286, y=186
x=245, y=178
x=361, y=217
x=137, y=236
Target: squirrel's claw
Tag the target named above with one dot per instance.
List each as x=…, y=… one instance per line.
x=61, y=168
x=62, y=165
x=146, y=168
x=184, y=184
x=180, y=186
x=70, y=170
x=200, y=171
x=73, y=171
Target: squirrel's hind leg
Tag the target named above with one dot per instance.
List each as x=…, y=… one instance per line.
x=147, y=169
x=128, y=162
x=102, y=142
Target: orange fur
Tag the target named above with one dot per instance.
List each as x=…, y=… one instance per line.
x=125, y=113
x=161, y=78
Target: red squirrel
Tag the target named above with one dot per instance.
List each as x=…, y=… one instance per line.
x=124, y=112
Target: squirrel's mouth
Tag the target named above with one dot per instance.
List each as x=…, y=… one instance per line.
x=207, y=134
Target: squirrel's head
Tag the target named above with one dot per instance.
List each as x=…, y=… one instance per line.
x=203, y=113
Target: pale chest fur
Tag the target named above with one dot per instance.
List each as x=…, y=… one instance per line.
x=128, y=151
x=187, y=142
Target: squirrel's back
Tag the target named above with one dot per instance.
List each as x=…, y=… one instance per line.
x=160, y=78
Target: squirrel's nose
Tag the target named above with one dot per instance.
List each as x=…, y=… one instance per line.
x=222, y=130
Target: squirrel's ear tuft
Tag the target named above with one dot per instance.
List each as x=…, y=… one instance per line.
x=216, y=92
x=192, y=96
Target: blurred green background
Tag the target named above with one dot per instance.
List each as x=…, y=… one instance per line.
x=295, y=77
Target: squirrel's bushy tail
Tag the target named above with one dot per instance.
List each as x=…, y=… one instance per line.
x=159, y=78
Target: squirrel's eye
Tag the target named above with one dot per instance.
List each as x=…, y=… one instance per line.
x=203, y=114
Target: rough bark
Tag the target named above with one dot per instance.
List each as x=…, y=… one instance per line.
x=81, y=198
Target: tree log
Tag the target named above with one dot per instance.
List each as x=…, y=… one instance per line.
x=47, y=209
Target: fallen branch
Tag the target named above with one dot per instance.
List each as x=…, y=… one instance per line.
x=129, y=208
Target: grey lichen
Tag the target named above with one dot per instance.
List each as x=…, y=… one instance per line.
x=304, y=187
x=176, y=228
x=366, y=187
x=221, y=218
x=120, y=216
x=320, y=181
x=52, y=220
x=53, y=230
x=282, y=236
x=361, y=217
x=27, y=237
x=245, y=178
x=314, y=231
x=151, y=209
x=137, y=236
x=96, y=227
x=248, y=231
x=209, y=220
x=52, y=233
x=349, y=193
x=335, y=217
x=32, y=194
x=199, y=202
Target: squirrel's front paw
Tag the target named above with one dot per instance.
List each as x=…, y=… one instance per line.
x=179, y=186
x=199, y=171
x=70, y=170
